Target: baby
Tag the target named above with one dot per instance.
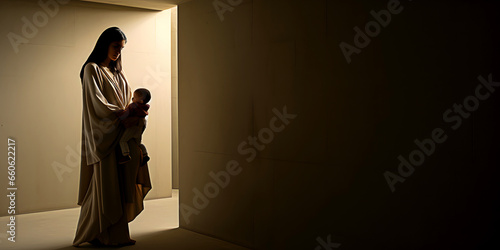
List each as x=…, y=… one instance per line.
x=135, y=123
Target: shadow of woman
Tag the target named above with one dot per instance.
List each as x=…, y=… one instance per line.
x=177, y=238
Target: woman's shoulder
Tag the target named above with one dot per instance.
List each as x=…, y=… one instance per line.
x=91, y=68
x=91, y=71
x=91, y=65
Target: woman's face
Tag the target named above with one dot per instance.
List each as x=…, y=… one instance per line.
x=115, y=49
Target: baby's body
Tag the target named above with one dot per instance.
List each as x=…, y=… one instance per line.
x=135, y=124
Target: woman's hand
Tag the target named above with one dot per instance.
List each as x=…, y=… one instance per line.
x=122, y=114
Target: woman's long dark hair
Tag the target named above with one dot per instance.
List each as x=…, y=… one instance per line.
x=100, y=52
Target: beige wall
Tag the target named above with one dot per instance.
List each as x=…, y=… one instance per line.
x=175, y=102
x=321, y=177
x=41, y=95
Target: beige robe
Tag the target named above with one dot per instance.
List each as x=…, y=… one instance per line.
x=110, y=195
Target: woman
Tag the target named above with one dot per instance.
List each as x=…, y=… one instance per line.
x=111, y=195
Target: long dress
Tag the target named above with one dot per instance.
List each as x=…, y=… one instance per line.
x=110, y=194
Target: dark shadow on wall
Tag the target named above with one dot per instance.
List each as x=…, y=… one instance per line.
x=322, y=177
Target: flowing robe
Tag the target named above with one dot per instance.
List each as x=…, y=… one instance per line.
x=110, y=195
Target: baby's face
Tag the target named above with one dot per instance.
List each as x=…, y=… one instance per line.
x=136, y=98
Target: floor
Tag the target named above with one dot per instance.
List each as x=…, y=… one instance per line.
x=157, y=227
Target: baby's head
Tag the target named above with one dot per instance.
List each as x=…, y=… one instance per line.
x=141, y=96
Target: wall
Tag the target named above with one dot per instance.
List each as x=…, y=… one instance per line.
x=175, y=101
x=42, y=99
x=321, y=176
